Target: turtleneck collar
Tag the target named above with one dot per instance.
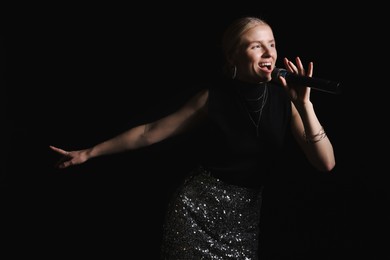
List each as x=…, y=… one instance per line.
x=249, y=90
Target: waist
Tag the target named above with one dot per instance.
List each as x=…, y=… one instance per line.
x=249, y=178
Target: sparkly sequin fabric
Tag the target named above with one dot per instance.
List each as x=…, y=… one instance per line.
x=209, y=219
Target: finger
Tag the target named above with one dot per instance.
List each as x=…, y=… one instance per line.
x=301, y=69
x=283, y=81
x=58, y=150
x=310, y=69
x=291, y=67
x=63, y=163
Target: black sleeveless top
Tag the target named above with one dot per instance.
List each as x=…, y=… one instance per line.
x=235, y=151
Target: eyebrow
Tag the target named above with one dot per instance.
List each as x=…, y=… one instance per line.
x=270, y=41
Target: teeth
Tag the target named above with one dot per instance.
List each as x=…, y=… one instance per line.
x=265, y=64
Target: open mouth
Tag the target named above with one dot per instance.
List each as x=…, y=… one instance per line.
x=266, y=66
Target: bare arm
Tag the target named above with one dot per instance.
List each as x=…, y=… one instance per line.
x=305, y=125
x=311, y=137
x=142, y=135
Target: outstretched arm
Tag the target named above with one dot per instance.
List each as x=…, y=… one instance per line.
x=142, y=135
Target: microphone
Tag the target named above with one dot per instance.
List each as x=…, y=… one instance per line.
x=312, y=82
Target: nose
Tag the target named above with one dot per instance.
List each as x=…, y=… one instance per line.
x=267, y=51
x=266, y=54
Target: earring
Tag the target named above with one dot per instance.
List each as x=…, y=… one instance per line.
x=234, y=72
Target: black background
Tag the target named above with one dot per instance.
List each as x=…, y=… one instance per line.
x=75, y=75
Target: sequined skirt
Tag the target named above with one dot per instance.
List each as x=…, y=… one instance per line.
x=209, y=219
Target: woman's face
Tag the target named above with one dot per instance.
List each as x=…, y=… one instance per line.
x=256, y=55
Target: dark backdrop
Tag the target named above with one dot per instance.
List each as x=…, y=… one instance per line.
x=76, y=75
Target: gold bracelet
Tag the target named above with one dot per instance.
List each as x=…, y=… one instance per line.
x=315, y=138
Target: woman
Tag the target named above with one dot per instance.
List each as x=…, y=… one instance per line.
x=215, y=213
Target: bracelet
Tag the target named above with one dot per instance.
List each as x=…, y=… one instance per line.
x=315, y=138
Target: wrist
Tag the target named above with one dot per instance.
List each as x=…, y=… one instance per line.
x=311, y=139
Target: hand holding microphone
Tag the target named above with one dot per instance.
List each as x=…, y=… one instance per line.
x=312, y=82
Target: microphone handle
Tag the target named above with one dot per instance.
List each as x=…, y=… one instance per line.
x=312, y=82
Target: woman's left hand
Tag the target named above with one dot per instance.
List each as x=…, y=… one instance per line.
x=298, y=94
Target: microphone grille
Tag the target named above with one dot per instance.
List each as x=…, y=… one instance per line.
x=276, y=72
